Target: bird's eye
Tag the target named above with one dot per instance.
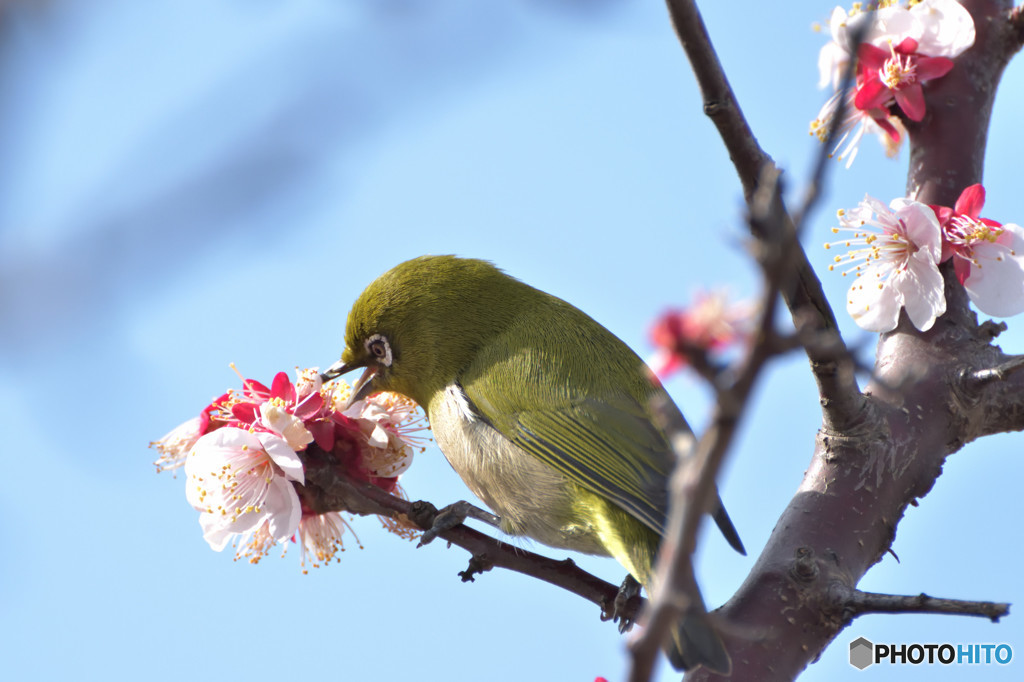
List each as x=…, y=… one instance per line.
x=378, y=346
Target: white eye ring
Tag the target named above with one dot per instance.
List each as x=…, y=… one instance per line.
x=378, y=346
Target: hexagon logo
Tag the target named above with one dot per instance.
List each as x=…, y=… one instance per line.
x=862, y=653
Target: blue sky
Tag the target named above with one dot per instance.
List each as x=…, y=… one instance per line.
x=187, y=184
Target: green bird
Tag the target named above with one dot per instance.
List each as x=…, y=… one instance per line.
x=545, y=414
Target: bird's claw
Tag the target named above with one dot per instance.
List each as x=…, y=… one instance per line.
x=454, y=515
x=629, y=589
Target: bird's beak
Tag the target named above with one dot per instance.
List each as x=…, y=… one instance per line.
x=335, y=371
x=363, y=386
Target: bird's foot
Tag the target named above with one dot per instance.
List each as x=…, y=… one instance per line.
x=453, y=515
x=621, y=613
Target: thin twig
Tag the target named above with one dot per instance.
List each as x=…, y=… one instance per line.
x=854, y=602
x=823, y=161
x=981, y=377
x=837, y=384
x=719, y=101
x=693, y=482
x=328, y=489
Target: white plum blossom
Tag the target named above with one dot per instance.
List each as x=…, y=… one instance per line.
x=175, y=446
x=947, y=28
x=388, y=422
x=274, y=415
x=320, y=538
x=307, y=382
x=894, y=259
x=241, y=482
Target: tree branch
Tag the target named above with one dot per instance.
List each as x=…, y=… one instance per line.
x=981, y=377
x=855, y=603
x=865, y=472
x=329, y=489
x=837, y=385
x=719, y=101
x=693, y=482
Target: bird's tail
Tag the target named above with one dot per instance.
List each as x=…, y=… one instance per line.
x=724, y=523
x=695, y=642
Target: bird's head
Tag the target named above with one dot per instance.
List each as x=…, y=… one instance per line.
x=417, y=326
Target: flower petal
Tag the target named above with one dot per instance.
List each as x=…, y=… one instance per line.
x=283, y=509
x=872, y=94
x=282, y=388
x=910, y=99
x=894, y=24
x=948, y=28
x=872, y=303
x=921, y=224
x=970, y=202
x=871, y=57
x=923, y=292
x=906, y=46
x=832, y=61
x=996, y=284
x=278, y=419
x=930, y=68
x=309, y=406
x=282, y=455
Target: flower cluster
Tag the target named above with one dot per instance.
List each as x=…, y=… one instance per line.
x=240, y=456
x=710, y=324
x=896, y=251
x=902, y=48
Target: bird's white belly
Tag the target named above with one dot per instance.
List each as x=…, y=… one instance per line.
x=532, y=498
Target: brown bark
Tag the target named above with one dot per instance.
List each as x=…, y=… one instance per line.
x=930, y=395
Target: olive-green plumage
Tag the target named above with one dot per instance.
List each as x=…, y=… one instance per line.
x=544, y=413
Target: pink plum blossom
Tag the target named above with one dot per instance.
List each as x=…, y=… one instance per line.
x=896, y=76
x=903, y=47
x=241, y=456
x=988, y=256
x=711, y=323
x=855, y=124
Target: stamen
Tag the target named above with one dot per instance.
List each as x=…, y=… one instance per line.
x=898, y=70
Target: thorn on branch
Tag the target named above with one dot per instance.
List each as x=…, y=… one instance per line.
x=992, y=329
x=853, y=603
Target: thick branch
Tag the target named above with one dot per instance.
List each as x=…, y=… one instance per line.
x=1017, y=28
x=922, y=406
x=948, y=147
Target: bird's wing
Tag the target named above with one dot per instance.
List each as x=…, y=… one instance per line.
x=605, y=443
